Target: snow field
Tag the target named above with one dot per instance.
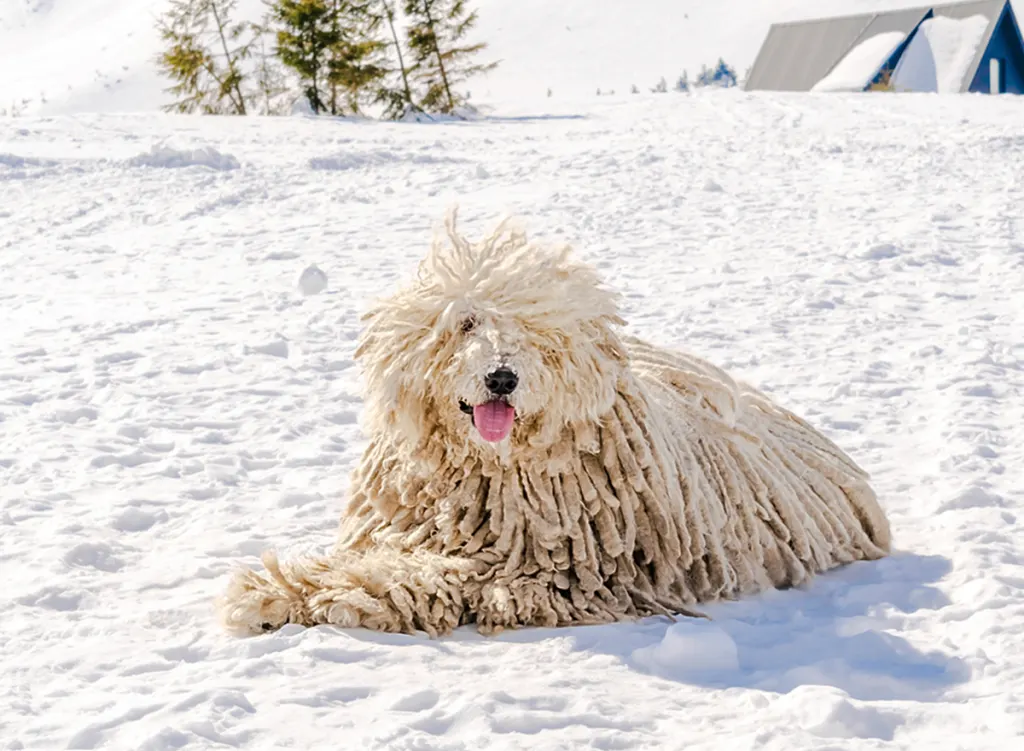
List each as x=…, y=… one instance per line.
x=175, y=397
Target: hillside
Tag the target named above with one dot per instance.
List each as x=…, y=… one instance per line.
x=60, y=56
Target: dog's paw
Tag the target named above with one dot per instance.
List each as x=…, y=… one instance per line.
x=253, y=604
x=347, y=608
x=512, y=605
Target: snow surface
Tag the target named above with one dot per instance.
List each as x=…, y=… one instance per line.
x=172, y=403
x=161, y=155
x=861, y=64
x=66, y=56
x=940, y=54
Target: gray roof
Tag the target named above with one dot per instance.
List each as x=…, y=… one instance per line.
x=797, y=54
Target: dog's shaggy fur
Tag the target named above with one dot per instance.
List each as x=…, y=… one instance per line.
x=635, y=480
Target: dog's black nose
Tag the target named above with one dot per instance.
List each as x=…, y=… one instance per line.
x=501, y=382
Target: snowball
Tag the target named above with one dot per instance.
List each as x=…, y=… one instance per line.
x=688, y=650
x=312, y=280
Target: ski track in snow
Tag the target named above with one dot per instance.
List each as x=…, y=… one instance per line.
x=174, y=398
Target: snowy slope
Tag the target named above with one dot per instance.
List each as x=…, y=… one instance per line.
x=74, y=55
x=172, y=404
x=61, y=56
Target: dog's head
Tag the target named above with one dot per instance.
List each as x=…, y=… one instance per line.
x=503, y=343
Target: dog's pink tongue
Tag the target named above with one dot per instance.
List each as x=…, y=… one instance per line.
x=494, y=419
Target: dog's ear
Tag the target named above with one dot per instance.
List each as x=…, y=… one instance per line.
x=395, y=402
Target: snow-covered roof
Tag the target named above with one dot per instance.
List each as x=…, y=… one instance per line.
x=990, y=9
x=862, y=63
x=800, y=55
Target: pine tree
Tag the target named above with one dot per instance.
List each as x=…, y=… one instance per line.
x=438, y=62
x=273, y=94
x=271, y=85
x=721, y=75
x=397, y=99
x=205, y=56
x=333, y=46
x=303, y=39
x=357, y=63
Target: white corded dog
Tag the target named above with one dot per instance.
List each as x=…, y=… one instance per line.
x=529, y=464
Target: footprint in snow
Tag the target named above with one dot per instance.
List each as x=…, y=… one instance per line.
x=881, y=252
x=133, y=519
x=277, y=348
x=420, y=701
x=98, y=555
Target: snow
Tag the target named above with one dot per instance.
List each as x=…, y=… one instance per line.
x=861, y=64
x=831, y=714
x=73, y=55
x=173, y=402
x=177, y=388
x=940, y=54
x=161, y=155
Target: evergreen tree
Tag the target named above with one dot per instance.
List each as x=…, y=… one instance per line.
x=439, y=63
x=304, y=37
x=205, y=56
x=358, y=63
x=721, y=75
x=273, y=94
x=332, y=45
x=397, y=99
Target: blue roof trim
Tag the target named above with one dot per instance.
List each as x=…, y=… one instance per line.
x=979, y=82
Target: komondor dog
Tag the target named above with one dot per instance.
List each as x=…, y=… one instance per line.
x=530, y=465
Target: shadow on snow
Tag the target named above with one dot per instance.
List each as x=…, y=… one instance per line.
x=841, y=631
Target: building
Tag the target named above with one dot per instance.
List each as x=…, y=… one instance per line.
x=960, y=47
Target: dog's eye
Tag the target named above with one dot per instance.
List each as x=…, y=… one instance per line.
x=468, y=324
